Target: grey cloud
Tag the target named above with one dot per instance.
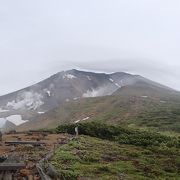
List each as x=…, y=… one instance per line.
x=39, y=38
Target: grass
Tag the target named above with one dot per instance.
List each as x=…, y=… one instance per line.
x=93, y=158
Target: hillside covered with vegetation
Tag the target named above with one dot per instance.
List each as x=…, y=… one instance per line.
x=112, y=152
x=161, y=114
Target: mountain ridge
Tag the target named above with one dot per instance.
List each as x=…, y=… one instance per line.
x=72, y=85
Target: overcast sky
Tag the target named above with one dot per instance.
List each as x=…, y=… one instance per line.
x=41, y=37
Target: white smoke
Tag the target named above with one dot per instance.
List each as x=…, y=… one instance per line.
x=3, y=110
x=2, y=122
x=102, y=91
x=27, y=100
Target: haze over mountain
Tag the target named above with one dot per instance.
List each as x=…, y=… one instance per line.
x=40, y=38
x=67, y=86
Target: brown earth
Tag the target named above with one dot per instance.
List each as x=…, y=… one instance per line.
x=29, y=154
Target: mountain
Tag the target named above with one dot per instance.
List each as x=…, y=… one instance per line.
x=135, y=111
x=73, y=85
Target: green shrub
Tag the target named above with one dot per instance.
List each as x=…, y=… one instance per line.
x=120, y=134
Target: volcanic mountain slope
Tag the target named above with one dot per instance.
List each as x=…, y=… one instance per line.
x=61, y=87
x=73, y=85
x=136, y=111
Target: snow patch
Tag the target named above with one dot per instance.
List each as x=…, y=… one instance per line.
x=41, y=112
x=111, y=80
x=75, y=98
x=16, y=119
x=84, y=119
x=27, y=100
x=77, y=121
x=163, y=101
x=3, y=110
x=117, y=85
x=144, y=96
x=69, y=76
x=49, y=93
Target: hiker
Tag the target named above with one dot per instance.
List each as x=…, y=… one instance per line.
x=76, y=131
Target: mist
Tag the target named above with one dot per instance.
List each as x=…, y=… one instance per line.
x=40, y=38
